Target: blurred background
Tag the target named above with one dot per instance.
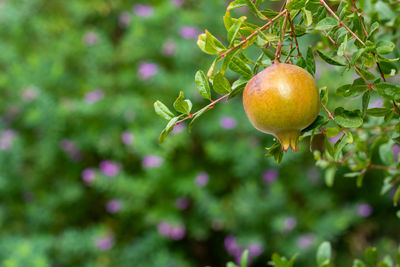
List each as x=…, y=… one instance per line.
x=84, y=181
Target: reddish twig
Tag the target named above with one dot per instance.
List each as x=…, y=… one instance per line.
x=294, y=34
x=280, y=44
x=332, y=116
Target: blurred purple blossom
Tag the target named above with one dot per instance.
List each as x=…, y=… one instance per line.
x=71, y=149
x=143, y=11
x=231, y=245
x=177, y=3
x=228, y=123
x=202, y=179
x=124, y=18
x=169, y=48
x=6, y=139
x=94, y=96
x=113, y=206
x=179, y=128
x=255, y=249
x=127, y=138
x=152, y=161
x=29, y=94
x=290, y=223
x=378, y=103
x=88, y=175
x=91, y=38
x=104, y=243
x=174, y=232
x=305, y=241
x=364, y=210
x=335, y=138
x=269, y=176
x=147, y=70
x=396, y=150
x=189, y=32
x=182, y=203
x=110, y=168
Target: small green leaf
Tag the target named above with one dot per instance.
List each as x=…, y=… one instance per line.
x=238, y=66
x=358, y=263
x=162, y=110
x=374, y=27
x=220, y=84
x=253, y=9
x=328, y=59
x=350, y=90
x=202, y=84
x=234, y=30
x=310, y=60
x=181, y=105
x=228, y=20
x=209, y=44
x=318, y=122
x=275, y=151
x=348, y=118
x=339, y=147
x=237, y=4
x=386, y=153
x=371, y=256
x=237, y=87
x=330, y=176
x=326, y=24
x=388, y=90
x=296, y=4
x=342, y=47
x=324, y=254
x=244, y=259
x=323, y=94
x=365, y=102
x=356, y=56
x=168, y=129
x=385, y=47
x=378, y=112
x=307, y=17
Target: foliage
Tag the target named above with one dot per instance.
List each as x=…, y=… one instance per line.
x=84, y=181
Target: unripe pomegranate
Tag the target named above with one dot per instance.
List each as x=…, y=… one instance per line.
x=282, y=100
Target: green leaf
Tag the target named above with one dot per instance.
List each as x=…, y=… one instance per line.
x=275, y=151
x=358, y=263
x=220, y=84
x=209, y=44
x=324, y=254
x=238, y=66
x=330, y=176
x=244, y=259
x=237, y=4
x=365, y=102
x=318, y=122
x=202, y=84
x=385, y=47
x=342, y=47
x=310, y=60
x=339, y=147
x=253, y=9
x=296, y=4
x=231, y=264
x=162, y=110
x=378, y=112
x=350, y=90
x=307, y=17
x=386, y=153
x=323, y=95
x=228, y=20
x=388, y=90
x=234, y=30
x=374, y=27
x=371, y=256
x=356, y=56
x=181, y=105
x=328, y=59
x=326, y=24
x=237, y=87
x=348, y=118
x=168, y=129
x=227, y=61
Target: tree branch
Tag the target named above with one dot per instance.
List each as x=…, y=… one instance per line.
x=279, y=47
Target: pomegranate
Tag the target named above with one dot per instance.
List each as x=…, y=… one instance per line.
x=282, y=100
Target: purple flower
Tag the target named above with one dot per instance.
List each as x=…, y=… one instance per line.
x=396, y=150
x=182, y=203
x=189, y=32
x=202, y=179
x=7, y=137
x=290, y=223
x=30, y=94
x=91, y=38
x=179, y=128
x=255, y=249
x=127, y=138
x=232, y=246
x=169, y=48
x=88, y=175
x=228, y=123
x=364, y=210
x=147, y=70
x=124, y=19
x=378, y=103
x=143, y=11
x=269, y=176
x=104, y=243
x=335, y=138
x=152, y=161
x=113, y=206
x=177, y=232
x=94, y=96
x=71, y=149
x=177, y=3
x=305, y=241
x=164, y=229
x=110, y=168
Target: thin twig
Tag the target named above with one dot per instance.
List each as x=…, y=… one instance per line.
x=359, y=17
x=294, y=34
x=202, y=109
x=280, y=44
x=331, y=116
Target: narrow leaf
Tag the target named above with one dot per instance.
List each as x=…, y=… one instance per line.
x=162, y=110
x=221, y=85
x=181, y=105
x=348, y=118
x=202, y=84
x=328, y=59
x=168, y=129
